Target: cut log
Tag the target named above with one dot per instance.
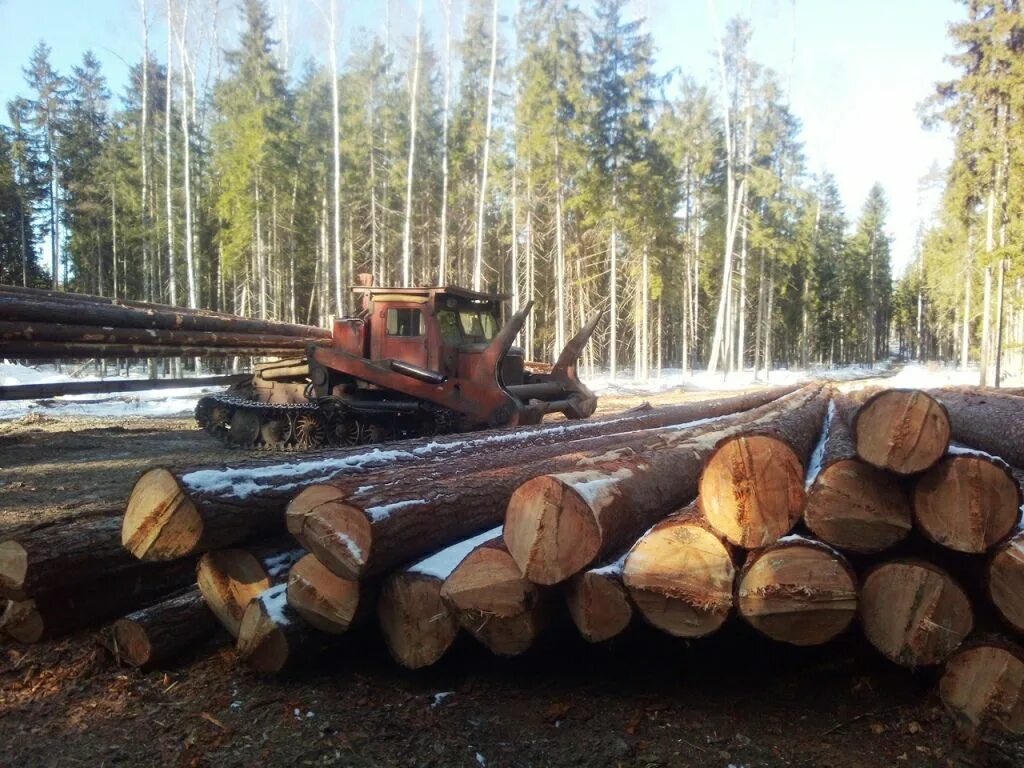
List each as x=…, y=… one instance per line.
x=598, y=601
x=230, y=579
x=851, y=504
x=493, y=602
x=382, y=525
x=983, y=688
x=62, y=554
x=24, y=309
x=418, y=625
x=558, y=524
x=109, y=386
x=153, y=635
x=16, y=332
x=913, y=612
x=62, y=350
x=752, y=487
x=1005, y=580
x=174, y=513
x=53, y=614
x=903, y=431
x=968, y=502
x=325, y=601
x=680, y=575
x=989, y=422
x=272, y=637
x=797, y=591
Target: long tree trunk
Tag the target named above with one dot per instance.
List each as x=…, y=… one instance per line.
x=413, y=102
x=172, y=284
x=147, y=280
x=442, y=255
x=336, y=157
x=186, y=141
x=478, y=251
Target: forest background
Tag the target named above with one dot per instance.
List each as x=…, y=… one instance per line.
x=539, y=153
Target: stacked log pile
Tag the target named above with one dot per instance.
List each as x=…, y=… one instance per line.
x=805, y=516
x=48, y=325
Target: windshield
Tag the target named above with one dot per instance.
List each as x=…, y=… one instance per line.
x=467, y=325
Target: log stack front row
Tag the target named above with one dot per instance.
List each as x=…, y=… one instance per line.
x=804, y=513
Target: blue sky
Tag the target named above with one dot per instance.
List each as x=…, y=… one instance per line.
x=857, y=71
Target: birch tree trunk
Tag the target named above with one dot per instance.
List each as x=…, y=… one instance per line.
x=172, y=284
x=442, y=256
x=407, y=228
x=186, y=141
x=147, y=284
x=613, y=320
x=336, y=149
x=965, y=338
x=478, y=252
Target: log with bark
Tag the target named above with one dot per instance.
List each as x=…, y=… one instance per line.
x=968, y=502
x=988, y=422
x=797, y=591
x=52, y=614
x=325, y=601
x=109, y=386
x=96, y=335
x=229, y=579
x=982, y=686
x=493, y=602
x=913, y=612
x=171, y=514
x=680, y=575
x=381, y=525
x=905, y=431
x=850, y=503
x=1005, y=580
x=62, y=554
x=64, y=350
x=272, y=637
x=417, y=624
x=752, y=487
x=153, y=635
x=30, y=309
x=598, y=601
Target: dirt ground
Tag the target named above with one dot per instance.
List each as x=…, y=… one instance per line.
x=642, y=700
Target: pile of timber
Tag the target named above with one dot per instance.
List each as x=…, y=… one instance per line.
x=804, y=515
x=50, y=325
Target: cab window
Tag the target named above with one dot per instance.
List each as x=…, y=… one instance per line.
x=448, y=322
x=404, y=322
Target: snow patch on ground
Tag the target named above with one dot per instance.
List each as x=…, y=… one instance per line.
x=441, y=564
x=439, y=698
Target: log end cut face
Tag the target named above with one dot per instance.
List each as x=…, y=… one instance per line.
x=904, y=431
x=598, y=605
x=132, y=642
x=1006, y=581
x=23, y=621
x=489, y=582
x=160, y=520
x=967, y=503
x=752, y=490
x=229, y=580
x=417, y=625
x=798, y=594
x=338, y=533
x=857, y=507
x=324, y=600
x=262, y=643
x=551, y=527
x=510, y=635
x=676, y=617
x=983, y=688
x=913, y=613
x=13, y=567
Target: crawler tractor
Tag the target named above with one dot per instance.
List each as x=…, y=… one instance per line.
x=414, y=361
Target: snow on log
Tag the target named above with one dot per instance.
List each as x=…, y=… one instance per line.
x=599, y=602
x=325, y=601
x=905, y=431
x=797, y=591
x=1005, y=580
x=557, y=524
x=493, y=602
x=982, y=687
x=52, y=614
x=680, y=575
x=418, y=625
x=968, y=502
x=272, y=637
x=850, y=503
x=913, y=612
x=153, y=635
x=176, y=513
x=230, y=579
x=752, y=487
